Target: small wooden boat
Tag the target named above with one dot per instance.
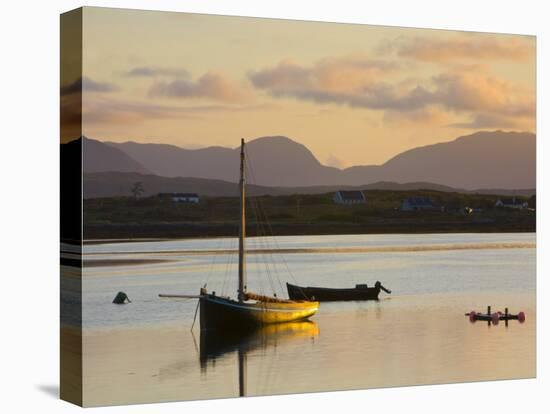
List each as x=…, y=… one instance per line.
x=359, y=292
x=249, y=310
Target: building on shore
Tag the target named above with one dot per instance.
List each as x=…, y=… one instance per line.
x=419, y=204
x=513, y=203
x=192, y=198
x=349, y=197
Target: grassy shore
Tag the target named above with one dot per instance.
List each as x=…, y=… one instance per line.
x=153, y=217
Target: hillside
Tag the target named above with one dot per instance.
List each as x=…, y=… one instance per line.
x=481, y=160
x=496, y=159
x=99, y=157
x=117, y=184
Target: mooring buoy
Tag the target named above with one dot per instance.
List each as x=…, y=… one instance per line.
x=121, y=298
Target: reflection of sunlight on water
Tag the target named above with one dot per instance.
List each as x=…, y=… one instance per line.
x=144, y=351
x=311, y=242
x=415, y=339
x=143, y=270
x=406, y=273
x=331, y=250
x=215, y=345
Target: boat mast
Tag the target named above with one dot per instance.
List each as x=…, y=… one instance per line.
x=242, y=230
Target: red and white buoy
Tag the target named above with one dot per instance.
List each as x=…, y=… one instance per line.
x=495, y=317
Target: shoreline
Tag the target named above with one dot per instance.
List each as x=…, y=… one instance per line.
x=121, y=262
x=305, y=250
x=193, y=235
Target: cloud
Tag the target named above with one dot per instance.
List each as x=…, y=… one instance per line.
x=212, y=85
x=479, y=48
x=105, y=111
x=357, y=83
x=424, y=116
x=353, y=82
x=151, y=72
x=282, y=78
x=476, y=90
x=487, y=120
x=347, y=81
x=110, y=111
x=464, y=89
x=85, y=84
x=337, y=75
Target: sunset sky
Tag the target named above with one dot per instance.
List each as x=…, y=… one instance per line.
x=353, y=94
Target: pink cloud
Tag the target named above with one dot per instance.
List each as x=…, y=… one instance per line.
x=479, y=48
x=465, y=89
x=212, y=85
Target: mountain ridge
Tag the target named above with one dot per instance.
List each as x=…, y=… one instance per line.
x=485, y=159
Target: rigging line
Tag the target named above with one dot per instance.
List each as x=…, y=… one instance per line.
x=195, y=318
x=263, y=218
x=213, y=262
x=260, y=276
x=282, y=255
x=253, y=260
x=263, y=249
x=258, y=240
x=264, y=271
x=267, y=255
x=269, y=251
x=233, y=256
x=258, y=226
x=271, y=263
x=228, y=264
x=260, y=220
x=234, y=259
x=252, y=245
x=224, y=274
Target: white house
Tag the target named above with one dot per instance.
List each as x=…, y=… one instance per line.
x=182, y=197
x=349, y=197
x=511, y=203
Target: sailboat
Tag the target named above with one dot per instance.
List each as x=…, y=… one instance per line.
x=249, y=310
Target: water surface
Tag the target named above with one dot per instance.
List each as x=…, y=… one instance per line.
x=145, y=351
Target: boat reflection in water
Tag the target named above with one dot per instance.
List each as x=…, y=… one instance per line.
x=216, y=344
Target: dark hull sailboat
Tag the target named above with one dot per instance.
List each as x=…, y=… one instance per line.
x=359, y=292
x=249, y=310
x=222, y=313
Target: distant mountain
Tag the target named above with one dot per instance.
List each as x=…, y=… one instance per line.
x=273, y=161
x=116, y=184
x=482, y=160
x=100, y=157
x=498, y=159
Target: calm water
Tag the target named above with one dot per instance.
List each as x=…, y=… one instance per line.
x=145, y=351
